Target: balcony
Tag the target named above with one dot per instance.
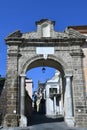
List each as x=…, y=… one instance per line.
x=54, y=92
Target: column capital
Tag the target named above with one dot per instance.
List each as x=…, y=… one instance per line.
x=22, y=75
x=68, y=75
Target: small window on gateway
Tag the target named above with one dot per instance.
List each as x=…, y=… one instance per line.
x=46, y=30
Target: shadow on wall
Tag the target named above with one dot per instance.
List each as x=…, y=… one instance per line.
x=2, y=99
x=28, y=105
x=42, y=107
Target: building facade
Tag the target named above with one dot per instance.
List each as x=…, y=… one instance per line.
x=83, y=30
x=60, y=50
x=29, y=87
x=54, y=96
x=39, y=98
x=28, y=97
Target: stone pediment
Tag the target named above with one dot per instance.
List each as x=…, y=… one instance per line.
x=45, y=30
x=70, y=33
x=15, y=34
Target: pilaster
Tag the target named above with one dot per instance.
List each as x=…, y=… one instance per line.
x=68, y=103
x=79, y=98
x=23, y=119
x=11, y=116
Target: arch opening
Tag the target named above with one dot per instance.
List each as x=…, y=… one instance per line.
x=40, y=61
x=50, y=87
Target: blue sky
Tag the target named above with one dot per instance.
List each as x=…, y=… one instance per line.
x=36, y=75
x=22, y=14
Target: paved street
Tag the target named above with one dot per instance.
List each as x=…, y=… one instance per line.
x=41, y=122
x=46, y=126
x=53, y=126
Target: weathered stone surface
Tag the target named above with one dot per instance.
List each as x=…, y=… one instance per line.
x=67, y=58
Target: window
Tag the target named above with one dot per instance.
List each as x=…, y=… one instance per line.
x=53, y=90
x=46, y=30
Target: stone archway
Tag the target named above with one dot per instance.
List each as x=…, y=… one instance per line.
x=62, y=51
x=52, y=61
x=59, y=64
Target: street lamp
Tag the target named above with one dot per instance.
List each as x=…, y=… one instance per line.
x=43, y=69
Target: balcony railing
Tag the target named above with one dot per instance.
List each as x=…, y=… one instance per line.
x=55, y=94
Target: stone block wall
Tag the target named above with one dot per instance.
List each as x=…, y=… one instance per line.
x=67, y=58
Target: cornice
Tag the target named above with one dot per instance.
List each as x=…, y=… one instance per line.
x=73, y=53
x=45, y=41
x=44, y=20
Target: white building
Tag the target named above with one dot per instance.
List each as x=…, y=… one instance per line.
x=54, y=96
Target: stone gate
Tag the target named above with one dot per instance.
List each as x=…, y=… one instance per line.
x=60, y=50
